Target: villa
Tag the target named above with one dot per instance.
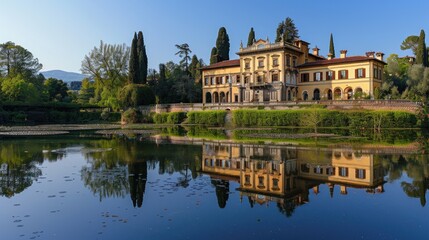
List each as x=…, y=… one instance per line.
x=275, y=72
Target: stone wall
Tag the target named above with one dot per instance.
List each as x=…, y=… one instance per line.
x=401, y=105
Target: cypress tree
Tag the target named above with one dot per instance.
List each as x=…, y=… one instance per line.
x=251, y=39
x=162, y=76
x=133, y=72
x=142, y=59
x=331, y=47
x=222, y=45
x=213, y=56
x=193, y=66
x=421, y=53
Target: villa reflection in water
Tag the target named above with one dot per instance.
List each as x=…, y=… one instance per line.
x=285, y=175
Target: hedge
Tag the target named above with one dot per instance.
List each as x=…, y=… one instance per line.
x=211, y=118
x=363, y=119
x=169, y=118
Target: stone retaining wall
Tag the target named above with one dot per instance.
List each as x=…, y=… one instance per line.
x=401, y=105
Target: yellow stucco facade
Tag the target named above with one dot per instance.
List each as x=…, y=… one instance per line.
x=276, y=72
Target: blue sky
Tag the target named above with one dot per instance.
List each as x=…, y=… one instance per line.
x=61, y=32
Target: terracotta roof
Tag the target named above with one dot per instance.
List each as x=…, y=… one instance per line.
x=339, y=61
x=224, y=64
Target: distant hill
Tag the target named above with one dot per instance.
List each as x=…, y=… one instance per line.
x=63, y=75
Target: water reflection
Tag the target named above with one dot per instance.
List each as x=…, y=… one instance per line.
x=19, y=164
x=265, y=174
x=286, y=175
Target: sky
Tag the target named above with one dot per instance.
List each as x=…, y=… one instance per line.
x=61, y=32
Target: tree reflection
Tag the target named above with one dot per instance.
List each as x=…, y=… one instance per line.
x=137, y=179
x=18, y=168
x=222, y=191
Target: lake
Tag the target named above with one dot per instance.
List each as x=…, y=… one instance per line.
x=118, y=187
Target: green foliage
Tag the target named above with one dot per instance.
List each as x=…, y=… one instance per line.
x=169, y=118
x=331, y=46
x=184, y=52
x=313, y=117
x=142, y=59
x=16, y=60
x=131, y=115
x=133, y=95
x=107, y=67
x=16, y=89
x=133, y=72
x=211, y=118
x=222, y=45
x=411, y=42
x=214, y=58
x=421, y=52
x=206, y=133
x=251, y=39
x=287, y=31
x=55, y=90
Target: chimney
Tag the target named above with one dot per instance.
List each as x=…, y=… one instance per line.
x=330, y=56
x=343, y=53
x=370, y=54
x=316, y=51
x=379, y=56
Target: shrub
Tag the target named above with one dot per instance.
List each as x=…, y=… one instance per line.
x=212, y=118
x=133, y=95
x=130, y=116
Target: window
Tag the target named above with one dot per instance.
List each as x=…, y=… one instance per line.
x=318, y=76
x=318, y=170
x=259, y=79
x=304, y=168
x=330, y=171
x=288, y=60
x=360, y=73
x=360, y=173
x=275, y=183
x=343, y=171
x=275, y=62
x=247, y=180
x=380, y=75
x=344, y=74
x=238, y=165
x=275, y=77
x=247, y=65
x=330, y=75
x=260, y=181
x=375, y=73
x=260, y=63
x=246, y=79
x=218, y=80
x=206, y=81
x=213, y=81
x=305, y=77
x=237, y=79
x=294, y=62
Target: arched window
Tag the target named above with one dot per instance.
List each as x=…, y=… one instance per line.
x=316, y=94
x=305, y=96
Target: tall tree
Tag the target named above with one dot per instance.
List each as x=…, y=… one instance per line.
x=162, y=76
x=411, y=42
x=142, y=59
x=251, y=39
x=107, y=65
x=214, y=56
x=222, y=45
x=193, y=67
x=184, y=52
x=331, y=46
x=15, y=60
x=133, y=73
x=421, y=52
x=287, y=31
